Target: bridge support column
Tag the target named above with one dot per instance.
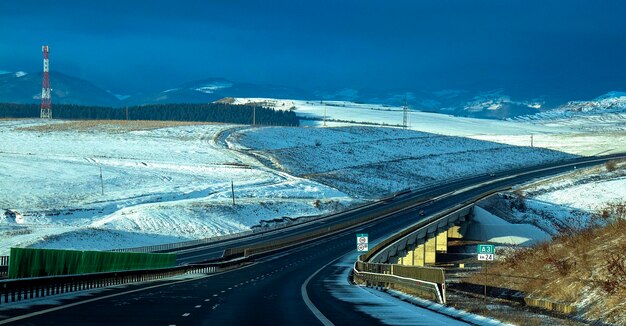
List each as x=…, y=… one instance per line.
x=430, y=248
x=455, y=232
x=407, y=259
x=442, y=241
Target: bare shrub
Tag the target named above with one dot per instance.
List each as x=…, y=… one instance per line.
x=519, y=201
x=611, y=165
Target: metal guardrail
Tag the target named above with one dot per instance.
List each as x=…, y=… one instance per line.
x=426, y=282
x=265, y=247
x=12, y=290
x=4, y=260
x=185, y=244
x=564, y=308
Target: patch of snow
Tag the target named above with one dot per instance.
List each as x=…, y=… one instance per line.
x=488, y=227
x=20, y=74
x=121, y=97
x=211, y=88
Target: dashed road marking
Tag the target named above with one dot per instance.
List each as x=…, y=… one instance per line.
x=198, y=306
x=186, y=314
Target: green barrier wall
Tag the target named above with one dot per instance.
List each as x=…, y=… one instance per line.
x=27, y=262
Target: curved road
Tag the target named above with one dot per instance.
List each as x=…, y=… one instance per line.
x=303, y=286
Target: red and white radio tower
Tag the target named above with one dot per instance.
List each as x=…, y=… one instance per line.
x=46, y=101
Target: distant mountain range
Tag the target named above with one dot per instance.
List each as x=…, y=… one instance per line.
x=20, y=87
x=213, y=89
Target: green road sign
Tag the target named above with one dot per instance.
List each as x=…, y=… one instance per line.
x=486, y=249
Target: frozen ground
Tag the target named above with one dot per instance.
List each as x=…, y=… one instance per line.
x=369, y=162
x=159, y=184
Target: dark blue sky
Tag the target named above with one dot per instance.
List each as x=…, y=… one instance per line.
x=128, y=46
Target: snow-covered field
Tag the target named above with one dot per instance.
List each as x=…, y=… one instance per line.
x=158, y=185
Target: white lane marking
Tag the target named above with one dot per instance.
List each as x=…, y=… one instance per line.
x=198, y=306
x=305, y=296
x=207, y=300
x=215, y=306
x=32, y=314
x=186, y=314
x=215, y=295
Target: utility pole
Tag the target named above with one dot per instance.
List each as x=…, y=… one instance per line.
x=127, y=113
x=532, y=144
x=324, y=115
x=405, y=114
x=46, y=102
x=253, y=116
x=101, y=182
x=232, y=189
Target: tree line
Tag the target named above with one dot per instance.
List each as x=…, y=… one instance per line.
x=210, y=112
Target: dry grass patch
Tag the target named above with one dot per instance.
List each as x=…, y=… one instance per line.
x=111, y=126
x=586, y=267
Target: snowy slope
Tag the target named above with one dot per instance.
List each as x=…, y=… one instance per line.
x=574, y=200
x=160, y=185
x=373, y=162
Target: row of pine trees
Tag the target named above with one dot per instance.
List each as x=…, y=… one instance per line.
x=210, y=112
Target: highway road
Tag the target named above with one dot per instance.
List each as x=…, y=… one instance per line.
x=301, y=286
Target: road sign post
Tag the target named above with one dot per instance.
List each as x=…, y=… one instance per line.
x=362, y=242
x=486, y=253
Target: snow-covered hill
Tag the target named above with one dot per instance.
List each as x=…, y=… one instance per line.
x=609, y=103
x=21, y=87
